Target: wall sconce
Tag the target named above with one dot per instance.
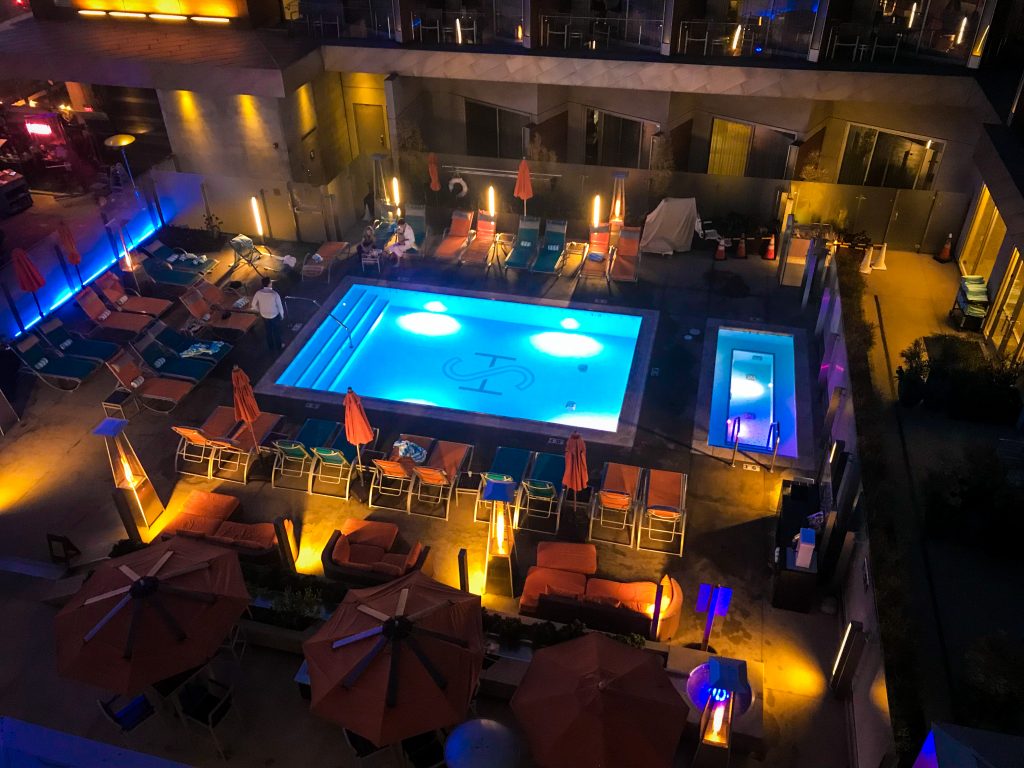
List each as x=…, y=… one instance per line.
x=500, y=492
x=138, y=503
x=844, y=668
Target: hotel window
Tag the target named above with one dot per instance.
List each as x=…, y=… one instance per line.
x=984, y=238
x=494, y=132
x=877, y=158
x=746, y=149
x=612, y=140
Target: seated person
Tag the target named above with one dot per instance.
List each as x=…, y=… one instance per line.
x=404, y=241
x=366, y=245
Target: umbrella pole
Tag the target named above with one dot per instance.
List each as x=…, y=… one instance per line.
x=78, y=272
x=35, y=298
x=359, y=462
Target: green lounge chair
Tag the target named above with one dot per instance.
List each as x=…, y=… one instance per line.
x=166, y=363
x=294, y=458
x=333, y=466
x=542, y=492
x=509, y=465
x=61, y=372
x=551, y=258
x=180, y=344
x=56, y=335
x=525, y=248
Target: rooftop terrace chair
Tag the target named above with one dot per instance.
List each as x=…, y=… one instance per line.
x=294, y=458
x=455, y=238
x=437, y=480
x=614, y=504
x=56, y=335
x=481, y=244
x=165, y=275
x=551, y=257
x=106, y=319
x=598, y=254
x=186, y=346
x=334, y=465
x=128, y=716
x=509, y=465
x=524, y=248
x=239, y=446
x=393, y=476
x=178, y=258
x=217, y=320
x=542, y=492
x=329, y=252
x=54, y=369
x=220, y=298
x=663, y=516
x=151, y=390
x=205, y=702
x=625, y=264
x=114, y=292
x=168, y=363
x=196, y=451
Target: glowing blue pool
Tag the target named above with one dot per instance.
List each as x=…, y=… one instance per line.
x=511, y=359
x=754, y=391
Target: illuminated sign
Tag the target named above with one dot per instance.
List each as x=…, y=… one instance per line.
x=39, y=129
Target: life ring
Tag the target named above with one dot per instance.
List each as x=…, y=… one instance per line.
x=457, y=182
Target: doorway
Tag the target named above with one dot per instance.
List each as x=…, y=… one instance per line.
x=1004, y=323
x=371, y=130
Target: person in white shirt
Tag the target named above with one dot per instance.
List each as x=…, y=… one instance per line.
x=405, y=240
x=268, y=303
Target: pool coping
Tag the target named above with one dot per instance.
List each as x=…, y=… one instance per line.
x=629, y=415
x=804, y=460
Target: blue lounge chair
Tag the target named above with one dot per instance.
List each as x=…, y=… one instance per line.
x=167, y=363
x=508, y=466
x=178, y=258
x=524, y=250
x=186, y=346
x=542, y=492
x=56, y=335
x=294, y=458
x=551, y=258
x=62, y=372
x=164, y=275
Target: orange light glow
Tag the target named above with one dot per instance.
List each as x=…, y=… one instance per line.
x=490, y=200
x=211, y=19
x=597, y=210
x=92, y=13
x=717, y=719
x=499, y=530
x=167, y=17
x=519, y=32
x=127, y=15
x=618, y=210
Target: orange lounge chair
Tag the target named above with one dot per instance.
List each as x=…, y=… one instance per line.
x=217, y=297
x=455, y=238
x=196, y=451
x=599, y=253
x=664, y=510
x=216, y=319
x=613, y=505
x=114, y=292
x=107, y=319
x=236, y=445
x=436, y=480
x=625, y=264
x=481, y=246
x=394, y=475
x=150, y=388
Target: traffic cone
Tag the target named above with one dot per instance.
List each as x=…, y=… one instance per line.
x=944, y=256
x=769, y=255
x=865, y=263
x=720, y=252
x=741, y=248
x=878, y=260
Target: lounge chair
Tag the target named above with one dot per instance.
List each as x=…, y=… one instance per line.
x=221, y=298
x=217, y=320
x=178, y=258
x=436, y=481
x=598, y=254
x=329, y=252
x=393, y=476
x=481, y=244
x=455, y=238
x=114, y=292
x=196, y=451
x=63, y=372
x=416, y=217
x=334, y=465
x=238, y=445
x=150, y=388
x=294, y=457
x=186, y=346
x=663, y=516
x=542, y=492
x=524, y=248
x=167, y=276
x=614, y=504
x=56, y=335
x=508, y=466
x=167, y=363
x=107, y=319
x=625, y=264
x=551, y=257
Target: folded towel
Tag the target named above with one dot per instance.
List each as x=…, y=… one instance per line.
x=410, y=450
x=203, y=349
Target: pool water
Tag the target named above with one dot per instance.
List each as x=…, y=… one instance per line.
x=502, y=358
x=754, y=392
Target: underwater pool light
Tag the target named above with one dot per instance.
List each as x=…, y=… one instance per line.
x=559, y=344
x=429, y=324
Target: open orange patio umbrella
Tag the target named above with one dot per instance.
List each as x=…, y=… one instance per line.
x=150, y=615
x=435, y=181
x=597, y=702
x=397, y=660
x=246, y=408
x=524, y=185
x=71, y=252
x=575, y=476
x=357, y=427
x=29, y=279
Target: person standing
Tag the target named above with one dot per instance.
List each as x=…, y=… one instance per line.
x=405, y=241
x=268, y=303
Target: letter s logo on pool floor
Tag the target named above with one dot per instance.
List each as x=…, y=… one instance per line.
x=525, y=375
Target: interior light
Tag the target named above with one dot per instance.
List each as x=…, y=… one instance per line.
x=458, y=31
x=92, y=13
x=210, y=19
x=39, y=129
x=913, y=13
x=736, y=36
x=127, y=15
x=167, y=17
x=256, y=215
x=490, y=200
x=597, y=210
x=963, y=29
x=928, y=144
x=519, y=32
x=558, y=344
x=429, y=324
x=570, y=324
x=435, y=306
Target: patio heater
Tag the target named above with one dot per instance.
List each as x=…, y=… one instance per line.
x=721, y=689
x=137, y=501
x=122, y=141
x=618, y=209
x=500, y=493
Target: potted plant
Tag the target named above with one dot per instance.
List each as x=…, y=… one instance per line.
x=911, y=376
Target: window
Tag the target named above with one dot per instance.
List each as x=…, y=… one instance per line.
x=494, y=132
x=877, y=158
x=613, y=140
x=745, y=149
x=984, y=238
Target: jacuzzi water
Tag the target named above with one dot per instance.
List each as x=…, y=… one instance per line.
x=754, y=389
x=502, y=358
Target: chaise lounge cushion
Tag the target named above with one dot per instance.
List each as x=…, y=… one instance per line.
x=564, y=556
x=365, y=554
x=370, y=532
x=194, y=525
x=216, y=505
x=247, y=535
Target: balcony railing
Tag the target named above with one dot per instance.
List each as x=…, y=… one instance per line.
x=600, y=32
x=360, y=19
x=785, y=34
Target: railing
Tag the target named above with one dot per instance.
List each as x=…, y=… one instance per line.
x=733, y=430
x=774, y=438
x=351, y=18
x=315, y=303
x=465, y=27
x=755, y=36
x=597, y=32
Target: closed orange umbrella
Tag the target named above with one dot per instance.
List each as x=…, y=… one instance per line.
x=246, y=408
x=524, y=185
x=29, y=279
x=597, y=702
x=435, y=182
x=575, y=476
x=357, y=427
x=71, y=252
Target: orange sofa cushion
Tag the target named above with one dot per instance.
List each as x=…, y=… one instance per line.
x=578, y=558
x=370, y=532
x=195, y=525
x=249, y=535
x=541, y=581
x=214, y=505
x=366, y=554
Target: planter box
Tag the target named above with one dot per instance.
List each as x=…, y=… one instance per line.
x=277, y=638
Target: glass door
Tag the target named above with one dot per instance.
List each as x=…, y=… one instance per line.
x=1005, y=321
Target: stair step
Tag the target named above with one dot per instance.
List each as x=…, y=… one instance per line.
x=337, y=337
x=339, y=343
x=366, y=325
x=299, y=368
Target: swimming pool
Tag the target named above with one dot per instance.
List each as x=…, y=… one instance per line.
x=463, y=352
x=754, y=391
